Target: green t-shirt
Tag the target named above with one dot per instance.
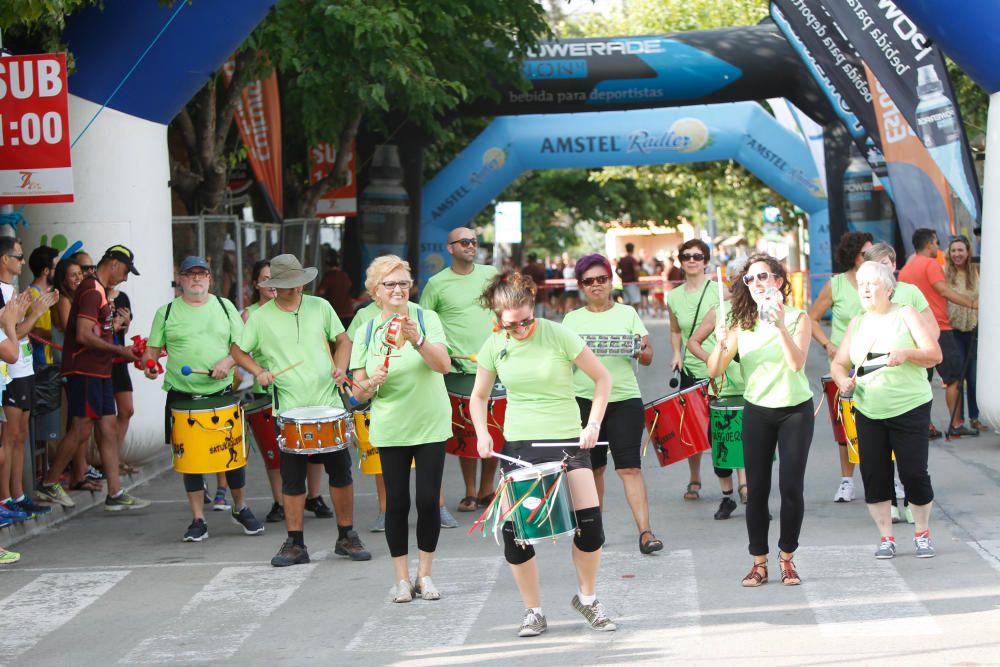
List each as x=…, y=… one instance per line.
x=412, y=406
x=285, y=338
x=887, y=392
x=619, y=319
x=906, y=294
x=846, y=305
x=732, y=383
x=684, y=307
x=455, y=299
x=260, y=359
x=770, y=383
x=538, y=374
x=369, y=312
x=196, y=336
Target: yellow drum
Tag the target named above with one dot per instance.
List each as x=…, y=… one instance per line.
x=368, y=459
x=850, y=428
x=207, y=435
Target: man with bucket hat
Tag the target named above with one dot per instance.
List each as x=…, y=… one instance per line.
x=293, y=332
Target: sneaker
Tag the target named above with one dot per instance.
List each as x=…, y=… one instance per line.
x=908, y=514
x=726, y=508
x=10, y=513
x=5, y=522
x=379, y=525
x=94, y=474
x=290, y=554
x=245, y=518
x=54, y=493
x=933, y=433
x=426, y=589
x=924, y=547
x=29, y=507
x=402, y=591
x=447, y=520
x=8, y=557
x=276, y=514
x=219, y=504
x=896, y=518
x=886, y=549
x=319, y=507
x=595, y=615
x=197, y=531
x=352, y=547
x=845, y=493
x=124, y=501
x=532, y=624
x=962, y=430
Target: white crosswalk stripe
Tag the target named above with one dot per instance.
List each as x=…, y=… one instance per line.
x=230, y=608
x=989, y=550
x=49, y=601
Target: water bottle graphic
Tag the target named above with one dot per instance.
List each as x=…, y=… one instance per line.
x=867, y=206
x=937, y=124
x=384, y=207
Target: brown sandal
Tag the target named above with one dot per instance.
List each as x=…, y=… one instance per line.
x=757, y=576
x=691, y=491
x=789, y=577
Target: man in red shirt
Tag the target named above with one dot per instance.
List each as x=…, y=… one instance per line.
x=924, y=271
x=88, y=353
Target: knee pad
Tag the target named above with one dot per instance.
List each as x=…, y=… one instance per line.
x=589, y=529
x=513, y=552
x=338, y=467
x=237, y=479
x=193, y=483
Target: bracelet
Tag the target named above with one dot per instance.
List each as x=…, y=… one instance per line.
x=420, y=342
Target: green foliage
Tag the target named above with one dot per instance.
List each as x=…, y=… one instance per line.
x=36, y=26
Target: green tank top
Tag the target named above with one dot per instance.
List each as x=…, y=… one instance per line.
x=887, y=392
x=770, y=383
x=732, y=382
x=846, y=306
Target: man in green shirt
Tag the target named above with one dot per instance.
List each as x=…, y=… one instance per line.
x=454, y=295
x=198, y=328
x=293, y=332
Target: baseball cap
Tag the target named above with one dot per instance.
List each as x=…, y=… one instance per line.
x=194, y=262
x=122, y=254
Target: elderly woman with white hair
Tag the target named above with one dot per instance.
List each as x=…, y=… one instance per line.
x=889, y=347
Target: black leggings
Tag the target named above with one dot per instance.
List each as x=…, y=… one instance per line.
x=790, y=430
x=396, y=474
x=907, y=436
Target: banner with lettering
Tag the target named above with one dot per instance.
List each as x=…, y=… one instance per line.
x=338, y=201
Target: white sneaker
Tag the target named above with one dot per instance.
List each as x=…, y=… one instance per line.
x=845, y=493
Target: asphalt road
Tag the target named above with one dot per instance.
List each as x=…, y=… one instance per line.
x=106, y=589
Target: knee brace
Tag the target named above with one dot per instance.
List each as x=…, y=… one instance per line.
x=338, y=467
x=193, y=483
x=512, y=551
x=589, y=529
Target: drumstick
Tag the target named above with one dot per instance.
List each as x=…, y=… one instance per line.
x=722, y=288
x=565, y=444
x=511, y=459
x=285, y=370
x=187, y=370
x=468, y=357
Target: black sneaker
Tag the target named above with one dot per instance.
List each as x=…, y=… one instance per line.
x=290, y=554
x=197, y=531
x=246, y=519
x=318, y=507
x=276, y=514
x=726, y=508
x=352, y=547
x=962, y=430
x=933, y=433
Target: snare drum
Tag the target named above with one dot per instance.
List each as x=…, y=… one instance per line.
x=207, y=435
x=261, y=421
x=314, y=430
x=543, y=507
x=833, y=405
x=678, y=424
x=463, y=439
x=727, y=431
x=845, y=418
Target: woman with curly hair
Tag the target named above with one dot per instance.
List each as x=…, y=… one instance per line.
x=963, y=277
x=772, y=340
x=841, y=294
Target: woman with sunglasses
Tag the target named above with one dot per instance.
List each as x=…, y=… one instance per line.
x=410, y=415
x=963, y=277
x=623, y=420
x=534, y=359
x=772, y=340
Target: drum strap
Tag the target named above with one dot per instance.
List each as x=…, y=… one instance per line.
x=222, y=304
x=697, y=311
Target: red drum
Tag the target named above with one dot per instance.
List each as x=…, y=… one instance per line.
x=678, y=424
x=463, y=439
x=258, y=415
x=833, y=404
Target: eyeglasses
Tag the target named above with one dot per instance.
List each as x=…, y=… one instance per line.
x=19, y=258
x=600, y=280
x=514, y=325
x=466, y=242
x=195, y=274
x=696, y=256
x=762, y=276
x=401, y=284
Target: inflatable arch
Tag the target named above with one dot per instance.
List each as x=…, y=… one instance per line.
x=741, y=131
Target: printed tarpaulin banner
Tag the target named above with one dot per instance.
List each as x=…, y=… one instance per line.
x=914, y=75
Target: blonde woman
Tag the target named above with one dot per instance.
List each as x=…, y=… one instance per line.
x=963, y=277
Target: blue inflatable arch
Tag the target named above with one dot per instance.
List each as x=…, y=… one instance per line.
x=511, y=145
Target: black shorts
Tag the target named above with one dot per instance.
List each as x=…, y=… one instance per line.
x=89, y=397
x=19, y=393
x=952, y=360
x=522, y=449
x=120, y=379
x=622, y=428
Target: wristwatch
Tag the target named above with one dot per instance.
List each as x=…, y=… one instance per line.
x=420, y=342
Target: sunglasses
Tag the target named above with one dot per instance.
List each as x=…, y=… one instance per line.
x=514, y=325
x=88, y=268
x=600, y=280
x=688, y=256
x=465, y=242
x=762, y=276
x=19, y=258
x=401, y=284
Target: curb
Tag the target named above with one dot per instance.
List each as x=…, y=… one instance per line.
x=84, y=500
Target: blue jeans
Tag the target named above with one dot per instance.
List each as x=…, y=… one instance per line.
x=967, y=343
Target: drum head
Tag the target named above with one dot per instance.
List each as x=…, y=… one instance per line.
x=311, y=413
x=727, y=403
x=537, y=470
x=256, y=404
x=207, y=404
x=462, y=384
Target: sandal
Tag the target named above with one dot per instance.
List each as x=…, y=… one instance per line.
x=757, y=576
x=742, y=490
x=650, y=545
x=486, y=500
x=87, y=485
x=979, y=426
x=691, y=491
x=789, y=577
x=467, y=504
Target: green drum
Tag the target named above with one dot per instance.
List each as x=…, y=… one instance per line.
x=544, y=508
x=726, y=415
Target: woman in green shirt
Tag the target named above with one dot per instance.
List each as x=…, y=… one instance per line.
x=841, y=294
x=623, y=421
x=891, y=349
x=534, y=359
x=772, y=340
